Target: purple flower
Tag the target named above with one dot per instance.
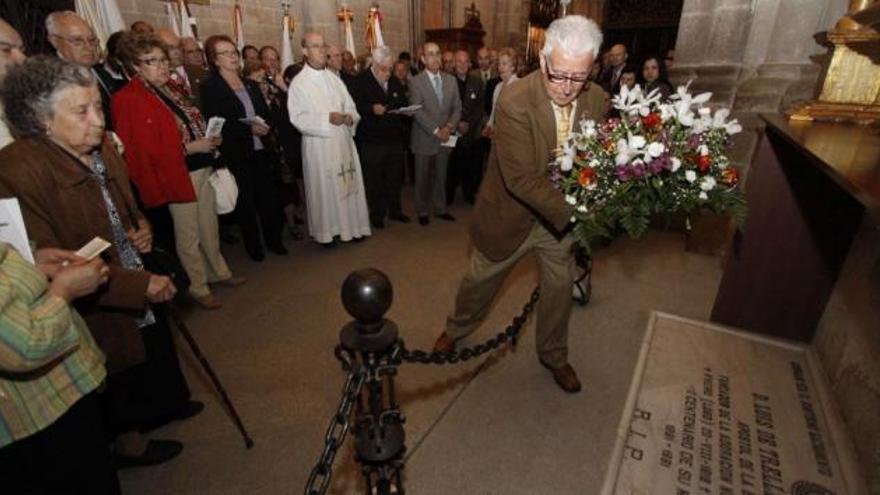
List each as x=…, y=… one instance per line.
x=623, y=173
x=638, y=170
x=661, y=163
x=694, y=140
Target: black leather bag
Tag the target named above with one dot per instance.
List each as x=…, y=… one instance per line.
x=161, y=262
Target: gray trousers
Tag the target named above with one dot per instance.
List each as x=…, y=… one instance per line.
x=430, y=185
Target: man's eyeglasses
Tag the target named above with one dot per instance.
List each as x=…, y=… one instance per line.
x=153, y=62
x=79, y=42
x=560, y=78
x=7, y=48
x=230, y=53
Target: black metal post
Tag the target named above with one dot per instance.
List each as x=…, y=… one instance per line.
x=370, y=341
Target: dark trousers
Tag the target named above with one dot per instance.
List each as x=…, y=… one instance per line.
x=259, y=204
x=382, y=166
x=465, y=168
x=69, y=457
x=163, y=228
x=151, y=393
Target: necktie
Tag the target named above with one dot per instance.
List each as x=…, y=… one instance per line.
x=563, y=124
x=438, y=88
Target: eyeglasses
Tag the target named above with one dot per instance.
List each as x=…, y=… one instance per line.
x=560, y=78
x=80, y=42
x=152, y=62
x=230, y=53
x=7, y=48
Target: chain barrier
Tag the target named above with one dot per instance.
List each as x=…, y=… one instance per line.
x=510, y=334
x=358, y=374
x=319, y=479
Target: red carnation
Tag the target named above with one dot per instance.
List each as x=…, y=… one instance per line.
x=703, y=163
x=651, y=120
x=586, y=177
x=730, y=176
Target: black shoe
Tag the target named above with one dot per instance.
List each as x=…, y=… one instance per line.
x=424, y=220
x=190, y=409
x=378, y=224
x=447, y=217
x=256, y=254
x=329, y=245
x=278, y=249
x=400, y=217
x=157, y=452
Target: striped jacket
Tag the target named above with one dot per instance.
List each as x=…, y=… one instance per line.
x=48, y=359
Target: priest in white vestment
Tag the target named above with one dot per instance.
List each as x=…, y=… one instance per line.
x=323, y=111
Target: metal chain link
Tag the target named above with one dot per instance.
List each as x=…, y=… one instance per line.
x=511, y=334
x=319, y=479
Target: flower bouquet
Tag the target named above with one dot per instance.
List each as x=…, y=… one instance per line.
x=657, y=157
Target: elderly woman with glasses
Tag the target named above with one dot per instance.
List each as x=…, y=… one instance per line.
x=169, y=160
x=73, y=186
x=238, y=100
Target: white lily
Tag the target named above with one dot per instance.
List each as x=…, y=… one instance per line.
x=708, y=183
x=566, y=158
x=703, y=196
x=588, y=128
x=629, y=148
x=690, y=176
x=656, y=149
x=676, y=164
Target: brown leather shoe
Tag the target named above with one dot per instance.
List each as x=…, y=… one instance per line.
x=232, y=281
x=208, y=302
x=444, y=344
x=565, y=377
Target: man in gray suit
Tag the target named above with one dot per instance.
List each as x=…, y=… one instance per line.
x=435, y=122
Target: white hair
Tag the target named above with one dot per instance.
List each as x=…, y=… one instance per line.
x=574, y=35
x=53, y=18
x=382, y=55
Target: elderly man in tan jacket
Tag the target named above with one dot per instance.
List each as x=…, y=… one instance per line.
x=518, y=210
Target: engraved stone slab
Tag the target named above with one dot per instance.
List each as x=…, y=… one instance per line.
x=718, y=411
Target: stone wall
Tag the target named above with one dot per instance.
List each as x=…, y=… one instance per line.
x=755, y=56
x=262, y=19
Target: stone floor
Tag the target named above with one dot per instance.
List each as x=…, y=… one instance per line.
x=495, y=426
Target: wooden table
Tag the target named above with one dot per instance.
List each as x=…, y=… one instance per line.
x=808, y=189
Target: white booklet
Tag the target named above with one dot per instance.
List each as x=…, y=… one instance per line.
x=255, y=120
x=12, y=229
x=405, y=110
x=215, y=127
x=450, y=143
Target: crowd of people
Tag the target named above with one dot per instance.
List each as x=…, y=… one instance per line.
x=86, y=353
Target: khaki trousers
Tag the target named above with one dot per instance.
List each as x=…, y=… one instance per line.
x=197, y=237
x=484, y=278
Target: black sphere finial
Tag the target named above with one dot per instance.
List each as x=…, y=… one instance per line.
x=367, y=295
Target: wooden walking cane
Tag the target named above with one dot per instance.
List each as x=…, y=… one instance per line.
x=181, y=326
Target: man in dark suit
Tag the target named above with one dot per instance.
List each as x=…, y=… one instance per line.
x=437, y=94
x=465, y=165
x=609, y=79
x=194, y=65
x=518, y=210
x=380, y=136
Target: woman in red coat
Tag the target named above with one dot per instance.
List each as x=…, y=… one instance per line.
x=169, y=160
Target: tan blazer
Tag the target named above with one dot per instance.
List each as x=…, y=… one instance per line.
x=516, y=191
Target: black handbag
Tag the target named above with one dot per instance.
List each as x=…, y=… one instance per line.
x=162, y=262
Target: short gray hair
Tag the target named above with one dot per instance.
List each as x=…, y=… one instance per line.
x=574, y=35
x=53, y=18
x=29, y=92
x=382, y=55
